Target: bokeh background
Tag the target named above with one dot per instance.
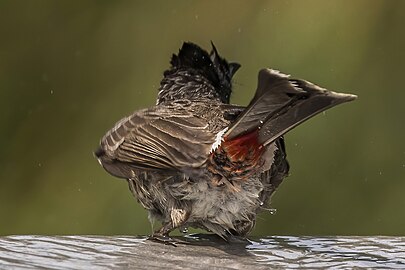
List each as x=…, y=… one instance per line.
x=70, y=69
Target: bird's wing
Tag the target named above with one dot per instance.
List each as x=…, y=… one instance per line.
x=159, y=138
x=279, y=169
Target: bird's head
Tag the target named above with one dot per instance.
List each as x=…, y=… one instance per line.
x=196, y=74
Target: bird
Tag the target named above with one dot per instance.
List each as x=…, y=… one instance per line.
x=196, y=160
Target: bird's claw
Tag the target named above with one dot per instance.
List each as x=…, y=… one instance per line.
x=167, y=240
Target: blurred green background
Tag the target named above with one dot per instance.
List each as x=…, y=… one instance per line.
x=70, y=69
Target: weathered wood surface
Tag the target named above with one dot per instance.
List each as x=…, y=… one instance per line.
x=202, y=252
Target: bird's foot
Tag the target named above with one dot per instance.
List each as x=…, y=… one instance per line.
x=167, y=240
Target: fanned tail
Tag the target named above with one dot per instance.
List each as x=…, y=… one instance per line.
x=281, y=104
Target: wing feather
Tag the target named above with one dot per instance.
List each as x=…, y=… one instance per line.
x=161, y=137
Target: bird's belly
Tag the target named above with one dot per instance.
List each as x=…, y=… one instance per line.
x=221, y=208
x=209, y=206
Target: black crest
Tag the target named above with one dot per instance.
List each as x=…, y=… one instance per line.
x=196, y=61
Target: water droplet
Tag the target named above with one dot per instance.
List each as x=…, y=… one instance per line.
x=272, y=211
x=184, y=230
x=51, y=92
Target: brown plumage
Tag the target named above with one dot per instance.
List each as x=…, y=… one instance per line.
x=196, y=160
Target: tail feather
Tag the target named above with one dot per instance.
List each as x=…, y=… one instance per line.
x=281, y=104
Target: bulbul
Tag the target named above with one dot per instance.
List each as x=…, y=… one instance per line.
x=196, y=160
